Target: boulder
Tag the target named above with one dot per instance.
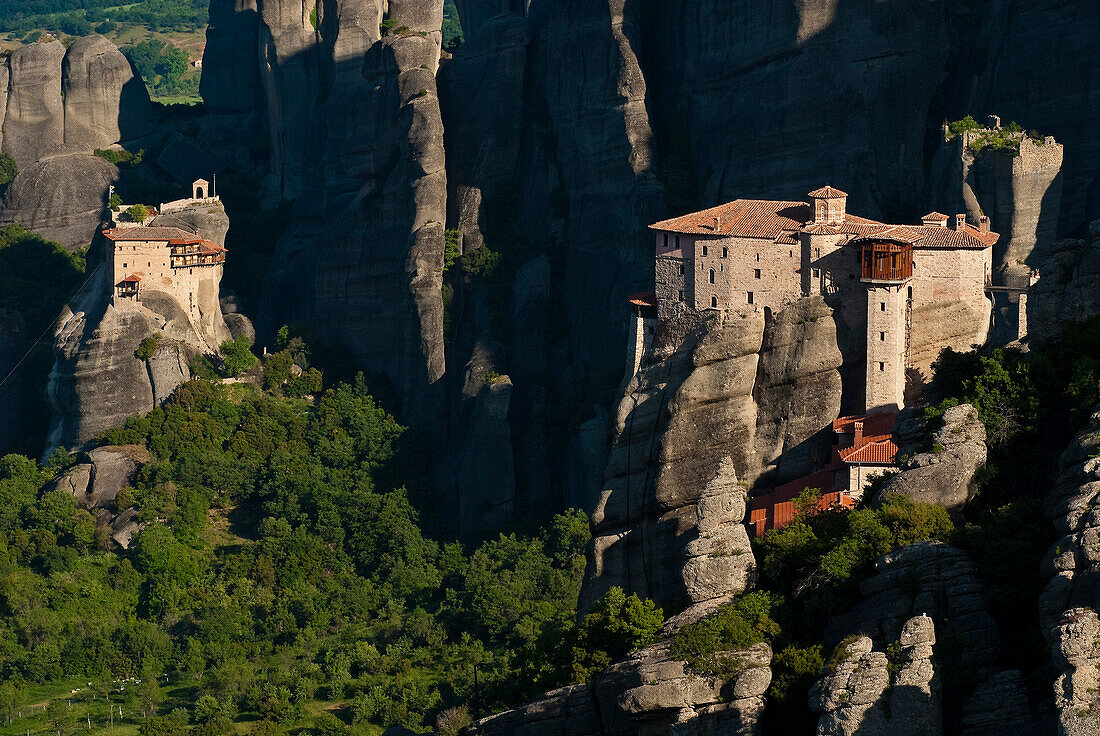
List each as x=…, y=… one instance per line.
x=61, y=198
x=945, y=474
x=105, y=100
x=96, y=483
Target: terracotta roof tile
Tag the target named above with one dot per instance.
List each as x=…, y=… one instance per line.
x=827, y=192
x=746, y=218
x=644, y=299
x=821, y=229
x=786, y=238
x=935, y=217
x=131, y=279
x=149, y=234
x=879, y=423
x=970, y=237
x=881, y=452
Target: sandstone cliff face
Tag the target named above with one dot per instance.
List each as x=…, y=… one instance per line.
x=61, y=198
x=648, y=692
x=105, y=99
x=357, y=139
x=34, y=122
x=1066, y=290
x=1068, y=605
x=693, y=431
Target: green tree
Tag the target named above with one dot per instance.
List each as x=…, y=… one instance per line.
x=8, y=169
x=173, y=63
x=237, y=354
x=616, y=625
x=137, y=213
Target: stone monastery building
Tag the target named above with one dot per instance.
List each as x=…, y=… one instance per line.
x=753, y=254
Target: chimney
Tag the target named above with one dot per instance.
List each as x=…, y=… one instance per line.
x=857, y=438
x=959, y=222
x=983, y=223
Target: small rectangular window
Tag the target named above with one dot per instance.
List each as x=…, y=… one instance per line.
x=725, y=252
x=677, y=241
x=816, y=272
x=756, y=273
x=681, y=269
x=758, y=258
x=882, y=306
x=681, y=296
x=750, y=297
x=817, y=252
x=704, y=250
x=666, y=240
x=124, y=265
x=882, y=337
x=882, y=366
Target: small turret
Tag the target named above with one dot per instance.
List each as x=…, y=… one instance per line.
x=829, y=205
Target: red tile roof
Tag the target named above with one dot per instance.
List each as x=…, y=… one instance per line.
x=765, y=513
x=779, y=220
x=881, y=452
x=150, y=234
x=208, y=248
x=131, y=279
x=935, y=217
x=821, y=229
x=644, y=299
x=874, y=425
x=827, y=192
x=745, y=218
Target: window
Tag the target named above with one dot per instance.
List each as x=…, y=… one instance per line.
x=680, y=269
x=750, y=297
x=756, y=273
x=881, y=366
x=882, y=306
x=758, y=258
x=149, y=264
x=817, y=252
x=714, y=302
x=712, y=275
x=704, y=250
x=816, y=272
x=666, y=240
x=882, y=337
x=681, y=295
x=677, y=241
x=725, y=252
x=791, y=254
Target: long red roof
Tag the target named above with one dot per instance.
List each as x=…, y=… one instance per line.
x=778, y=219
x=151, y=234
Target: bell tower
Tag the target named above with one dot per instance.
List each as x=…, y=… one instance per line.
x=829, y=205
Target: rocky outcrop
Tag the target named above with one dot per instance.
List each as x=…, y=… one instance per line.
x=863, y=696
x=61, y=198
x=97, y=380
x=95, y=484
x=1066, y=290
x=648, y=692
x=1069, y=603
x=693, y=431
x=58, y=106
x=945, y=474
x=929, y=579
x=34, y=123
x=1018, y=188
x=105, y=100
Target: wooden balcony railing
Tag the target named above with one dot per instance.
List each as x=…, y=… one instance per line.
x=887, y=261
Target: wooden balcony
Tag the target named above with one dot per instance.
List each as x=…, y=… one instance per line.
x=884, y=260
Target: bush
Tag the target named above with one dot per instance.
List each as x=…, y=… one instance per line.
x=480, y=261
x=711, y=646
x=115, y=202
x=148, y=347
x=8, y=169
x=137, y=213
x=616, y=626
x=238, y=357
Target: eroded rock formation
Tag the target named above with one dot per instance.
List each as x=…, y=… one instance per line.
x=944, y=475
x=693, y=431
x=1066, y=291
x=864, y=697
x=648, y=692
x=58, y=105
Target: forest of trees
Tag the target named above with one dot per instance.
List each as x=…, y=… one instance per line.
x=82, y=17
x=282, y=578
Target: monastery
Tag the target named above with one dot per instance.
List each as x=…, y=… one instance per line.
x=166, y=259
x=761, y=255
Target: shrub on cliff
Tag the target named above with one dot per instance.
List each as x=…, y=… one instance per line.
x=137, y=213
x=616, y=626
x=8, y=169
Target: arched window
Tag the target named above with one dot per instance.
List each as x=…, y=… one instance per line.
x=704, y=250
x=714, y=302
x=712, y=275
x=725, y=252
